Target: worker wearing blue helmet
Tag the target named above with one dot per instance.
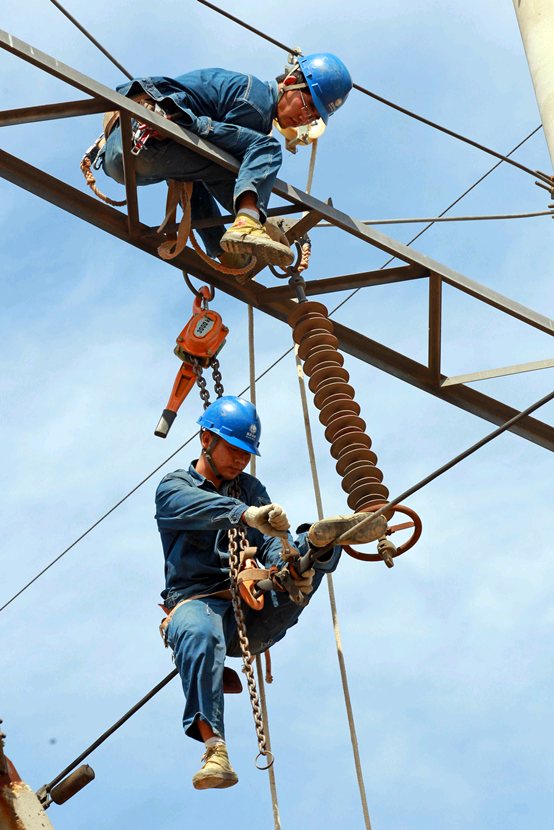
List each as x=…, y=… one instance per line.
x=236, y=112
x=195, y=512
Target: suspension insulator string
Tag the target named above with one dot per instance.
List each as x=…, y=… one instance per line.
x=339, y=412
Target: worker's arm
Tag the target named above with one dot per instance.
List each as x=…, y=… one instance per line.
x=181, y=505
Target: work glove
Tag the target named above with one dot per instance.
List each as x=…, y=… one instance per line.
x=386, y=548
x=276, y=233
x=304, y=581
x=270, y=519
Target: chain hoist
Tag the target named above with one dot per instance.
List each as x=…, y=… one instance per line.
x=234, y=567
x=197, y=346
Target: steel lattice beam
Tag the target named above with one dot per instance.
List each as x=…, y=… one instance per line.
x=273, y=301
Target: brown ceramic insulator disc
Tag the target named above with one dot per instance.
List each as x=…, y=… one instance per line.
x=311, y=323
x=351, y=456
x=351, y=439
x=336, y=407
x=364, y=490
x=347, y=424
x=325, y=371
x=357, y=475
x=304, y=308
x=310, y=343
x=323, y=355
x=370, y=505
x=330, y=388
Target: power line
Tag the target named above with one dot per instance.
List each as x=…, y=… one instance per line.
x=403, y=110
x=455, y=202
x=130, y=493
x=93, y=40
x=433, y=219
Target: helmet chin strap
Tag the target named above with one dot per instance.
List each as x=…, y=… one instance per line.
x=290, y=87
x=208, y=455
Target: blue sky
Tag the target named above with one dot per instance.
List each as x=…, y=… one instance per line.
x=449, y=653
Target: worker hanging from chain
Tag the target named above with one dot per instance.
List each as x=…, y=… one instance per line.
x=235, y=112
x=199, y=512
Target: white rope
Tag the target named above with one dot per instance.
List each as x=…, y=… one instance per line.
x=252, y=365
x=261, y=684
x=334, y=614
x=330, y=585
x=271, y=770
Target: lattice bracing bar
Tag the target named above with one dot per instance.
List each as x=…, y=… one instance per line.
x=274, y=301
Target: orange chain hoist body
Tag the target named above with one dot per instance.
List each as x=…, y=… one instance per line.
x=340, y=415
x=197, y=346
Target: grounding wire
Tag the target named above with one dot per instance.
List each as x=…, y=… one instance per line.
x=92, y=39
x=403, y=110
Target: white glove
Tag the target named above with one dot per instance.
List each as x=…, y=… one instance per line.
x=304, y=581
x=270, y=519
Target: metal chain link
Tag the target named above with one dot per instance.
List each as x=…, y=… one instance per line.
x=201, y=381
x=218, y=380
x=234, y=562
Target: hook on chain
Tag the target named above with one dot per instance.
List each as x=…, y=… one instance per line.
x=201, y=295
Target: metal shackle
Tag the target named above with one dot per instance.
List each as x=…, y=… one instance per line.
x=339, y=412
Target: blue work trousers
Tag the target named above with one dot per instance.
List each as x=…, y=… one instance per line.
x=260, y=156
x=203, y=632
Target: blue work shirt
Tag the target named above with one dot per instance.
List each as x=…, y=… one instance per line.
x=193, y=519
x=212, y=95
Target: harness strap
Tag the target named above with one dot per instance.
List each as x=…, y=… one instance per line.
x=175, y=243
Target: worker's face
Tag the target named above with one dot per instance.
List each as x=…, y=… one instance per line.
x=296, y=107
x=229, y=460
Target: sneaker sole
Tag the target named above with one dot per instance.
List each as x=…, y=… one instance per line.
x=272, y=253
x=216, y=782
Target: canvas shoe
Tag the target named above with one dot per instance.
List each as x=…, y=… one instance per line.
x=246, y=235
x=216, y=771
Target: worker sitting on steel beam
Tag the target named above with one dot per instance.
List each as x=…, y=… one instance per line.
x=236, y=113
x=195, y=512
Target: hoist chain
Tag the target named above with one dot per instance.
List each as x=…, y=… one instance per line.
x=201, y=380
x=234, y=563
x=218, y=380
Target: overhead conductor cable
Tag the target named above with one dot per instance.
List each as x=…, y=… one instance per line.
x=295, y=51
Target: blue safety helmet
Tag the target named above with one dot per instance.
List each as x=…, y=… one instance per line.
x=328, y=80
x=235, y=420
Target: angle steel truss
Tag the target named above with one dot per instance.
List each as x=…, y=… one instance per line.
x=275, y=301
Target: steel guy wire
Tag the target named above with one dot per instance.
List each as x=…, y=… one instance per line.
x=445, y=467
x=403, y=110
x=370, y=516
x=130, y=493
x=287, y=352
x=111, y=730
